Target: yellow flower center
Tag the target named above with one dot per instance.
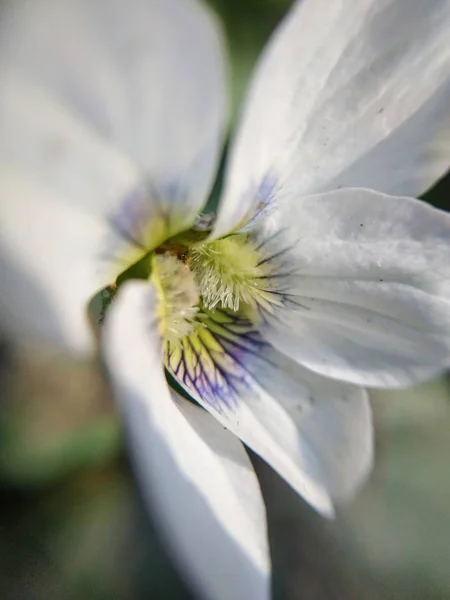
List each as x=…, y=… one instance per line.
x=227, y=272
x=191, y=278
x=179, y=297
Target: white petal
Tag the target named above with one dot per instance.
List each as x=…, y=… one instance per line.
x=52, y=144
x=350, y=93
x=366, y=284
x=106, y=96
x=194, y=474
x=316, y=433
x=48, y=264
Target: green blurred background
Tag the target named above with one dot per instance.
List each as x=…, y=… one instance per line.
x=72, y=525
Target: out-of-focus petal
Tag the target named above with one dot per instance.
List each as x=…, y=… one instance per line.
x=118, y=104
x=49, y=264
x=351, y=93
x=365, y=282
x=195, y=475
x=316, y=433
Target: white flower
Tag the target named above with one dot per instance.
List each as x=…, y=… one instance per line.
x=112, y=114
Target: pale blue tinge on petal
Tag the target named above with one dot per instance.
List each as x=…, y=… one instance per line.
x=105, y=97
x=47, y=142
x=350, y=93
x=365, y=281
x=316, y=433
x=195, y=475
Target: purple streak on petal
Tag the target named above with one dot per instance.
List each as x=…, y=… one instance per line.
x=264, y=193
x=216, y=376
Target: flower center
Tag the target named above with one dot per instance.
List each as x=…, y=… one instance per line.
x=194, y=277
x=228, y=272
x=179, y=297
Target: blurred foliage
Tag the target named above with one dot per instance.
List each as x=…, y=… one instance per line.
x=56, y=417
x=72, y=524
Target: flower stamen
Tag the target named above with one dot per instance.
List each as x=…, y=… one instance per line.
x=179, y=296
x=227, y=272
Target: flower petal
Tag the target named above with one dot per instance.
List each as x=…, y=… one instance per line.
x=106, y=97
x=351, y=93
x=316, y=433
x=195, y=475
x=364, y=279
x=48, y=264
